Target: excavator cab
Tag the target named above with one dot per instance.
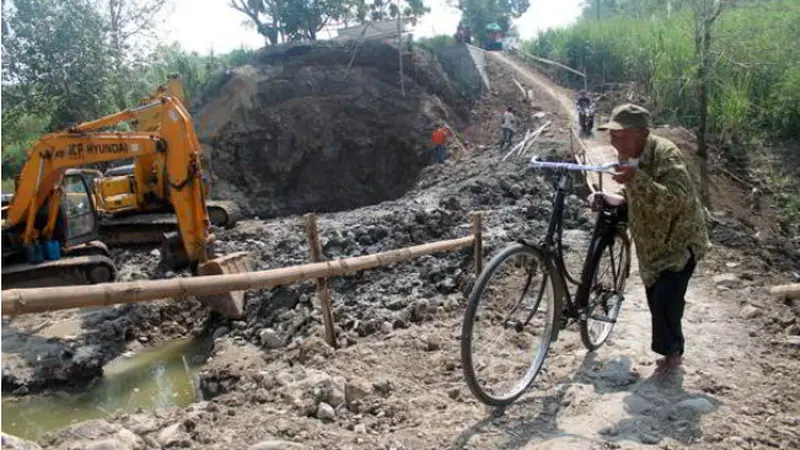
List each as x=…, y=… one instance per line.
x=71, y=255
x=80, y=215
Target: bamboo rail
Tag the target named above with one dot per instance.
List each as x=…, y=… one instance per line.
x=22, y=301
x=786, y=290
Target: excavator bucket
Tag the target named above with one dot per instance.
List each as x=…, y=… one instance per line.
x=230, y=305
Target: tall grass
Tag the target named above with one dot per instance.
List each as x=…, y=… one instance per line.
x=755, y=88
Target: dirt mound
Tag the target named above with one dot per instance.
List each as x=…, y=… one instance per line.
x=298, y=130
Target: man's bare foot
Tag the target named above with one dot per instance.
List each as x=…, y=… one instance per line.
x=668, y=364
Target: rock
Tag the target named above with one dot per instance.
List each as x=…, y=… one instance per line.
x=386, y=327
x=155, y=252
x=335, y=394
x=14, y=443
x=454, y=393
x=219, y=332
x=277, y=445
x=728, y=280
x=325, y=412
x=269, y=338
x=749, y=312
x=140, y=423
x=696, y=405
x=382, y=387
x=357, y=389
x=432, y=343
x=104, y=444
x=648, y=438
x=96, y=432
x=312, y=387
x=172, y=435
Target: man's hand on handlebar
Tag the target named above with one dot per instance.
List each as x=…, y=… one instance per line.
x=598, y=199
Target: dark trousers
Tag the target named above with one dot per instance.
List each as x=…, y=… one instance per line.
x=666, y=300
x=508, y=133
x=440, y=153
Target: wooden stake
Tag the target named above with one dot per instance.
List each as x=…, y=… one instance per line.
x=477, y=244
x=323, y=291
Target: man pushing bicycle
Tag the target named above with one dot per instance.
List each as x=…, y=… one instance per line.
x=666, y=220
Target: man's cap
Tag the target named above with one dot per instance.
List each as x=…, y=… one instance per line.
x=627, y=116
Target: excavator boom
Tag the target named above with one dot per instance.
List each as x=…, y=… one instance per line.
x=133, y=197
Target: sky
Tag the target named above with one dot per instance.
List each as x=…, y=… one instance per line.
x=216, y=25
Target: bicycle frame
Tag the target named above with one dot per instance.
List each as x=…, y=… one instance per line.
x=608, y=220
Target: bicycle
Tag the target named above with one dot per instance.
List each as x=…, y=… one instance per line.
x=563, y=308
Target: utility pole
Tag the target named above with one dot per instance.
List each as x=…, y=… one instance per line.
x=400, y=50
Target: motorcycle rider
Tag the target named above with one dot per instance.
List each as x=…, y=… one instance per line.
x=585, y=106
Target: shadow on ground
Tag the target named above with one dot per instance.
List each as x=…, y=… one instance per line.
x=655, y=410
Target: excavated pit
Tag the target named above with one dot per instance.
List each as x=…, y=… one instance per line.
x=300, y=129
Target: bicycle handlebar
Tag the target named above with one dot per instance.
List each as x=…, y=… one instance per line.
x=603, y=168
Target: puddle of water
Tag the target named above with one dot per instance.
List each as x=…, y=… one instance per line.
x=159, y=377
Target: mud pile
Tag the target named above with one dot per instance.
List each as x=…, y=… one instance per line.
x=298, y=130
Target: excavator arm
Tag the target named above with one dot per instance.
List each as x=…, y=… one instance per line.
x=176, y=140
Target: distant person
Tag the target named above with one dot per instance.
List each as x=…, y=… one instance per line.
x=666, y=220
x=439, y=139
x=509, y=127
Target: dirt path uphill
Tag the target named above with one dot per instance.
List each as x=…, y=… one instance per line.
x=613, y=397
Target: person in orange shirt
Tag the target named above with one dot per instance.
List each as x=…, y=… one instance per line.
x=439, y=139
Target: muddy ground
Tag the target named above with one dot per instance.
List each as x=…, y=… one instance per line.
x=396, y=381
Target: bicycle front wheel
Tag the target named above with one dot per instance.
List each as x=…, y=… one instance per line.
x=512, y=299
x=606, y=277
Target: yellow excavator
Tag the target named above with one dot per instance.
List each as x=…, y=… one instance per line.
x=132, y=199
x=50, y=227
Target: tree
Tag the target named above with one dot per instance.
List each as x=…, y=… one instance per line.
x=303, y=19
x=480, y=13
x=127, y=20
x=265, y=15
x=706, y=13
x=298, y=20
x=54, y=60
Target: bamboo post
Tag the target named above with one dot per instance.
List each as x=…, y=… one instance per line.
x=22, y=301
x=477, y=244
x=323, y=291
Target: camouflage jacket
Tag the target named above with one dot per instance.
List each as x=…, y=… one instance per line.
x=665, y=215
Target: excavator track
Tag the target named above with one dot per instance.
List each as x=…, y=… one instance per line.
x=86, y=264
x=148, y=228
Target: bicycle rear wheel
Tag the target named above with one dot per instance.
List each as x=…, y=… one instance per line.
x=513, y=298
x=606, y=277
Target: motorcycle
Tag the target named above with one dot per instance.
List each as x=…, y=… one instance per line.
x=586, y=118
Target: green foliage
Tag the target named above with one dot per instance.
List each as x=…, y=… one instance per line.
x=477, y=14
x=300, y=20
x=54, y=54
x=755, y=88
x=20, y=134
x=436, y=42
x=790, y=206
x=57, y=71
